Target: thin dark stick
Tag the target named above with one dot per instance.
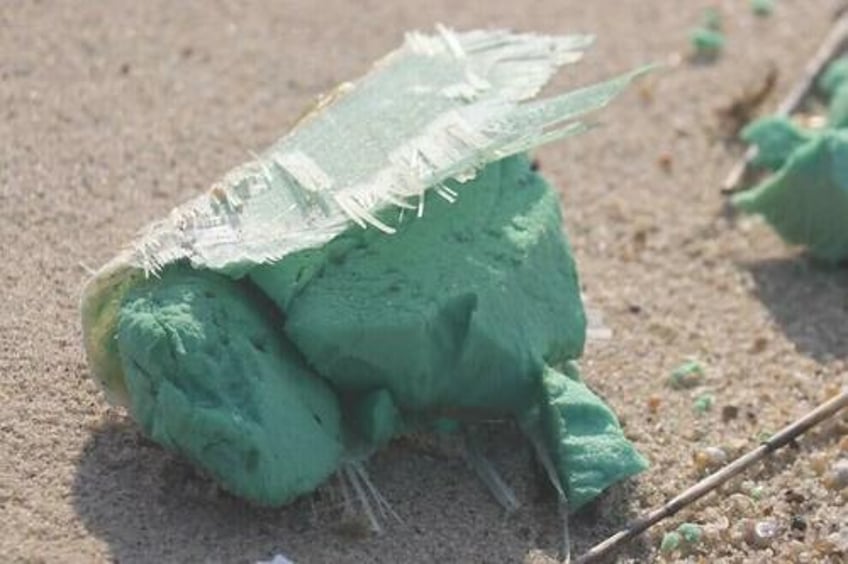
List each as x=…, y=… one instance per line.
x=711, y=482
x=834, y=42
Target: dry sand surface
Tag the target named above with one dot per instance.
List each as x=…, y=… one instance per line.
x=113, y=112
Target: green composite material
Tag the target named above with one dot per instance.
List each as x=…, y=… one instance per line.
x=210, y=377
x=708, y=43
x=805, y=199
x=833, y=77
x=776, y=138
x=833, y=84
x=762, y=8
x=389, y=265
x=461, y=307
x=588, y=448
x=459, y=314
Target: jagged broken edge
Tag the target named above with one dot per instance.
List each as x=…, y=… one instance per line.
x=217, y=230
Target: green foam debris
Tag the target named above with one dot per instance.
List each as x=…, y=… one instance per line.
x=834, y=85
x=776, y=138
x=704, y=403
x=708, y=38
x=469, y=328
x=210, y=377
x=834, y=76
x=671, y=541
x=762, y=8
x=690, y=533
x=688, y=375
x=711, y=19
x=393, y=264
x=589, y=448
x=805, y=199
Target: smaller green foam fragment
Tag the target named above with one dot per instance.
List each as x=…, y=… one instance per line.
x=776, y=138
x=707, y=42
x=833, y=83
x=806, y=201
x=376, y=417
x=762, y=7
x=210, y=378
x=589, y=449
x=837, y=108
x=834, y=76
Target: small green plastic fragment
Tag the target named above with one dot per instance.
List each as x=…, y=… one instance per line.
x=688, y=375
x=691, y=533
x=704, y=403
x=376, y=418
x=762, y=7
x=708, y=43
x=671, y=541
x=776, y=138
x=837, y=108
x=834, y=76
x=711, y=19
x=708, y=39
x=589, y=449
x=757, y=493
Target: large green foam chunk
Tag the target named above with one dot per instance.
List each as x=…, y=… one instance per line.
x=211, y=378
x=461, y=308
x=806, y=201
x=589, y=449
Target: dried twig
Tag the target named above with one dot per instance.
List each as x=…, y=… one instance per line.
x=834, y=42
x=711, y=482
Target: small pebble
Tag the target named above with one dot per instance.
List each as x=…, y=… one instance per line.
x=654, y=403
x=818, y=462
x=759, y=345
x=729, y=413
x=760, y=534
x=833, y=544
x=798, y=523
x=670, y=542
x=837, y=476
x=740, y=505
x=687, y=375
x=792, y=496
x=709, y=458
x=665, y=162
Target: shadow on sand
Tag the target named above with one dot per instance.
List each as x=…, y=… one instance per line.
x=809, y=301
x=150, y=506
